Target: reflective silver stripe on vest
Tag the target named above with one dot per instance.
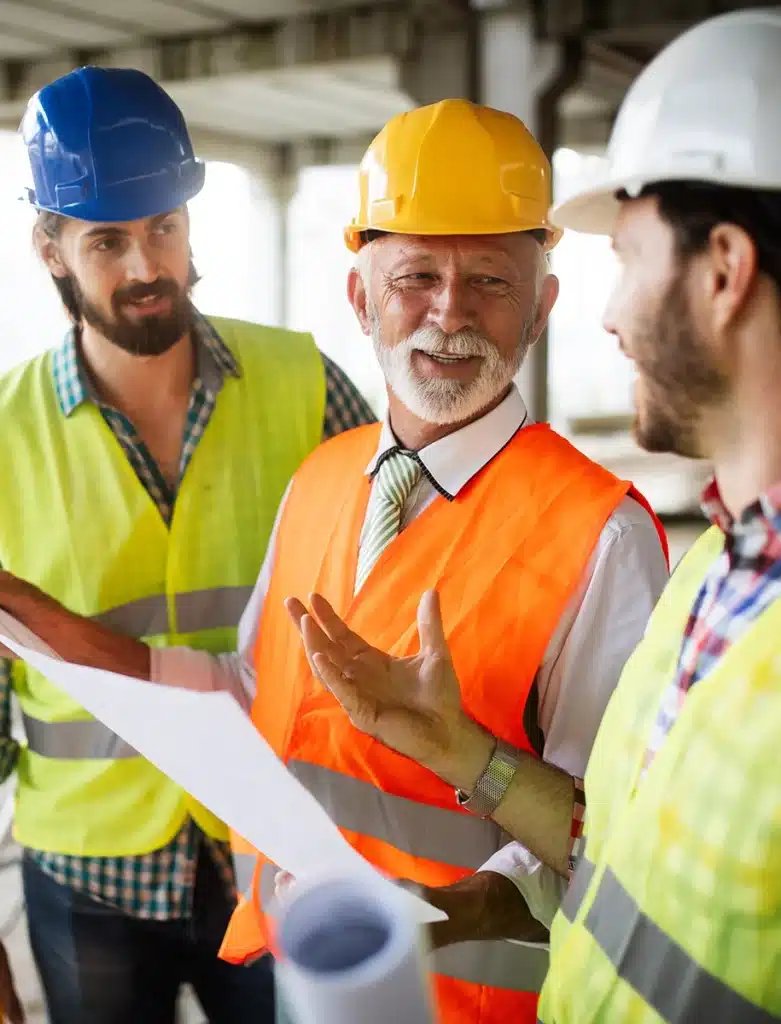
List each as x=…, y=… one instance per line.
x=148, y=616
x=217, y=608
x=75, y=741
x=434, y=833
x=657, y=968
x=494, y=963
x=244, y=869
x=577, y=889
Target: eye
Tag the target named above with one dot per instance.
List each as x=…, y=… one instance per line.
x=487, y=279
x=110, y=244
x=420, y=276
x=168, y=227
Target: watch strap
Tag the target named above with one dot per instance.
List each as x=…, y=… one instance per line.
x=493, y=783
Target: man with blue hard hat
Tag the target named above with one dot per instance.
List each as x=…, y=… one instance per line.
x=150, y=451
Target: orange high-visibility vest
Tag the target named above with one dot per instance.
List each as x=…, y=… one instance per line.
x=506, y=556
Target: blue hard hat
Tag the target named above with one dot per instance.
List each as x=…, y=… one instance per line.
x=108, y=144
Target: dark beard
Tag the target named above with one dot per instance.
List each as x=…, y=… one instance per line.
x=679, y=378
x=149, y=336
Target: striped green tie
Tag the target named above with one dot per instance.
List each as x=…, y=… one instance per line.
x=393, y=485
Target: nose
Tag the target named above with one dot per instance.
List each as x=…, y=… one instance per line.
x=452, y=307
x=141, y=263
x=610, y=316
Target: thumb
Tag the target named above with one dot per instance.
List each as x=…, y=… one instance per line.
x=430, y=628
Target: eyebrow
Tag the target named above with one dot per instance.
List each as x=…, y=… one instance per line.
x=103, y=231
x=111, y=231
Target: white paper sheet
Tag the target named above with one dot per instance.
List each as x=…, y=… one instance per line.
x=208, y=745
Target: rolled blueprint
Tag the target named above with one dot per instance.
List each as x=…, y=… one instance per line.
x=350, y=954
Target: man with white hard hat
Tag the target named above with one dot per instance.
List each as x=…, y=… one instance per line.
x=674, y=910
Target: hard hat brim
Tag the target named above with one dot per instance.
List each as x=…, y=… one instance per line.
x=595, y=211
x=354, y=241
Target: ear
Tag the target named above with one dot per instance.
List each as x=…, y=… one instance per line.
x=731, y=272
x=549, y=292
x=356, y=294
x=49, y=252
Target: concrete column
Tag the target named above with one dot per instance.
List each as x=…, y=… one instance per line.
x=513, y=72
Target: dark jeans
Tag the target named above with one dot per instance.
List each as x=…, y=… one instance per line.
x=100, y=966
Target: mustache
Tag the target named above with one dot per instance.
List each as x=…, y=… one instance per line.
x=164, y=287
x=434, y=341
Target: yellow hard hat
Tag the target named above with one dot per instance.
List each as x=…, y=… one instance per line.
x=453, y=168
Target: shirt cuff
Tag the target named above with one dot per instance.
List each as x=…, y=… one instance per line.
x=182, y=667
x=541, y=887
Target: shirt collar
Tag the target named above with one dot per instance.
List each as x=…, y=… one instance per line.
x=762, y=516
x=451, y=462
x=213, y=362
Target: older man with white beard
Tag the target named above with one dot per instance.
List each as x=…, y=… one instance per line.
x=547, y=566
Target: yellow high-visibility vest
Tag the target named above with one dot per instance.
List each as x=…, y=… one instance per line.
x=76, y=521
x=674, y=912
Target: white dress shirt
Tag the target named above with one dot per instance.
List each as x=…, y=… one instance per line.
x=601, y=625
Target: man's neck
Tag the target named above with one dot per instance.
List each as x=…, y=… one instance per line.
x=744, y=441
x=414, y=433
x=128, y=381
x=749, y=466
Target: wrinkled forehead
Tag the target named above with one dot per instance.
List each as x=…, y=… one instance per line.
x=519, y=250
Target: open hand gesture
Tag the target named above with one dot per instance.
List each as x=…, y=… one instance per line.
x=412, y=705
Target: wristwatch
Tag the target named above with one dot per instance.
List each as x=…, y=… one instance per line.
x=492, y=785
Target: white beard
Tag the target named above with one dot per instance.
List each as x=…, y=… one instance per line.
x=436, y=399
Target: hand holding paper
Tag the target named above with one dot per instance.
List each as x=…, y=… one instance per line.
x=242, y=780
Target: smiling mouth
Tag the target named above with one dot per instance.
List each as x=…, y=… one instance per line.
x=446, y=360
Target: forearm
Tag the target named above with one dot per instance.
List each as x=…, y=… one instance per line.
x=484, y=906
x=536, y=810
x=75, y=638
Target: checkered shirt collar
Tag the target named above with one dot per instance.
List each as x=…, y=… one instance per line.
x=760, y=519
x=214, y=362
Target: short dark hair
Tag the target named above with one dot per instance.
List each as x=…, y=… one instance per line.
x=694, y=209
x=51, y=225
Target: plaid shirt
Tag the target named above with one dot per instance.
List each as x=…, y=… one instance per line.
x=159, y=885
x=743, y=581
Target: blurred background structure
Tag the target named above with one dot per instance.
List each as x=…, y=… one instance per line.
x=282, y=97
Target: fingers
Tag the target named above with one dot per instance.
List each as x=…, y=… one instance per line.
x=311, y=632
x=336, y=628
x=430, y=627
x=345, y=690
x=296, y=610
x=316, y=642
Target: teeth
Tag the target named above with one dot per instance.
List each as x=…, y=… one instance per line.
x=446, y=359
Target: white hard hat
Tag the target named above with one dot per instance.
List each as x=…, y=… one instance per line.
x=707, y=109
